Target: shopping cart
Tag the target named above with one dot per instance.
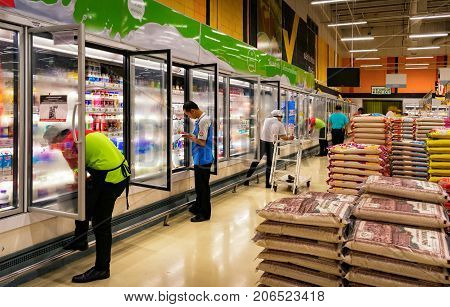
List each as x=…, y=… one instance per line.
x=292, y=179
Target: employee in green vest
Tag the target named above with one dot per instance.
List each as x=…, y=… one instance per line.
x=109, y=177
x=318, y=124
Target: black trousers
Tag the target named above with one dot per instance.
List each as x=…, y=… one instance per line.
x=266, y=149
x=323, y=142
x=100, y=199
x=202, y=205
x=338, y=136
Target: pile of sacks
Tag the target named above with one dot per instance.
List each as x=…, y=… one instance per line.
x=438, y=147
x=409, y=160
x=445, y=184
x=425, y=124
x=371, y=129
x=303, y=237
x=350, y=164
x=398, y=239
x=403, y=128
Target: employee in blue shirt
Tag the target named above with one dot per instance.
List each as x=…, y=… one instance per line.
x=202, y=154
x=338, y=123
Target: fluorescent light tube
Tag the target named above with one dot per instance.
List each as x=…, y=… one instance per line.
x=364, y=50
x=360, y=38
x=372, y=65
x=344, y=24
x=417, y=64
x=428, y=35
x=445, y=15
x=366, y=59
x=424, y=48
x=419, y=57
x=316, y=2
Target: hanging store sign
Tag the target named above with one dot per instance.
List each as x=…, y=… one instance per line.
x=53, y=108
x=380, y=90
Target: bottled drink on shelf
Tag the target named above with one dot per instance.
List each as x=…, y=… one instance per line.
x=4, y=199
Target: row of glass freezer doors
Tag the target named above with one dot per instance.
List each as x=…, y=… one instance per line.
x=135, y=98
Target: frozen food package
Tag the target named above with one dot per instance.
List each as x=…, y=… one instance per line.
x=300, y=273
x=414, y=244
x=325, y=234
x=298, y=245
x=399, y=267
x=379, y=279
x=271, y=280
x=309, y=211
x=401, y=211
x=311, y=262
x=407, y=188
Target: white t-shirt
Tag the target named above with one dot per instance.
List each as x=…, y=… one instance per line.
x=272, y=127
x=203, y=124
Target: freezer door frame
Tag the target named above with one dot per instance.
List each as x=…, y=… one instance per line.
x=19, y=123
x=81, y=110
x=256, y=80
x=127, y=112
x=189, y=79
x=277, y=85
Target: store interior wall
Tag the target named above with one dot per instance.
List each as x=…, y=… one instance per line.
x=195, y=9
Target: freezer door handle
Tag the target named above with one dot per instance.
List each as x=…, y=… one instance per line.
x=74, y=134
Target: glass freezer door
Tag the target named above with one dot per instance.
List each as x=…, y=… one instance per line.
x=56, y=121
x=203, y=90
x=149, y=118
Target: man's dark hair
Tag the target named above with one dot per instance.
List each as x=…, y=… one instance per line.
x=338, y=108
x=189, y=106
x=361, y=109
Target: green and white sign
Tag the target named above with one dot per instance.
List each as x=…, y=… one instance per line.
x=150, y=25
x=380, y=90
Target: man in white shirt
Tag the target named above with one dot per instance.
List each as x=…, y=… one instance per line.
x=272, y=129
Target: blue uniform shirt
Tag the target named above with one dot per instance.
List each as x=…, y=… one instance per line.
x=203, y=155
x=338, y=120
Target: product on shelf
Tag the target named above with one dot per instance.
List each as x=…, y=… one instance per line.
x=406, y=188
x=438, y=146
x=371, y=129
x=445, y=184
x=350, y=164
x=403, y=128
x=303, y=236
x=404, y=162
x=425, y=125
x=271, y=280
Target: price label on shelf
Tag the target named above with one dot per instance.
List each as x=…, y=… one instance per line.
x=53, y=108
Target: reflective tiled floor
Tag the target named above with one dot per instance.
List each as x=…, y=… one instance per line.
x=215, y=253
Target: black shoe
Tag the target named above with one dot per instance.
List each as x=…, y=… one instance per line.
x=198, y=219
x=77, y=246
x=91, y=275
x=246, y=183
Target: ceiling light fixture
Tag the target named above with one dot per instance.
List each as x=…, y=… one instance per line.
x=360, y=38
x=411, y=68
x=417, y=64
x=344, y=24
x=316, y=2
x=419, y=57
x=428, y=35
x=445, y=15
x=371, y=65
x=424, y=48
x=366, y=59
x=363, y=50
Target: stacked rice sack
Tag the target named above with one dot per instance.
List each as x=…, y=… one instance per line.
x=425, y=124
x=403, y=128
x=438, y=147
x=303, y=237
x=399, y=241
x=371, y=129
x=445, y=184
x=350, y=164
x=409, y=159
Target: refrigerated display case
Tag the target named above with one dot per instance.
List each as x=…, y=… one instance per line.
x=243, y=123
x=222, y=123
x=302, y=115
x=289, y=108
x=179, y=121
x=149, y=132
x=56, y=176
x=269, y=99
x=10, y=87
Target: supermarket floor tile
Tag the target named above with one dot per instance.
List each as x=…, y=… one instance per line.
x=215, y=253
